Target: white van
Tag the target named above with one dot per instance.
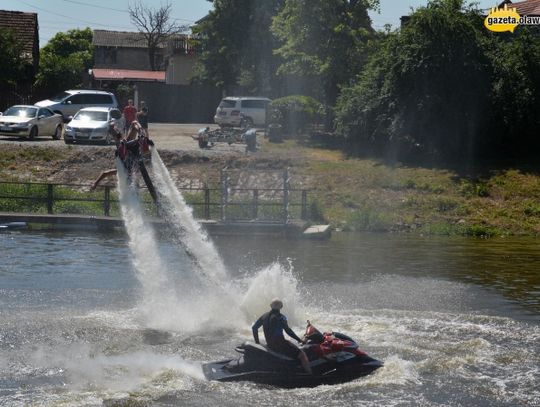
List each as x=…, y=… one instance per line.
x=71, y=101
x=238, y=110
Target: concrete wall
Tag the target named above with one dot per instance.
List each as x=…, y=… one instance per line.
x=179, y=103
x=180, y=69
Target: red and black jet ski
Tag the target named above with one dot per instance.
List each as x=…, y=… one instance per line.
x=333, y=356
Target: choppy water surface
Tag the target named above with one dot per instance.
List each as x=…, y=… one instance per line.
x=456, y=321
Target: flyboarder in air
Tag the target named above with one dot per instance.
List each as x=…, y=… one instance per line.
x=131, y=150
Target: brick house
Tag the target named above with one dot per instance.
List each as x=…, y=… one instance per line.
x=25, y=28
x=524, y=8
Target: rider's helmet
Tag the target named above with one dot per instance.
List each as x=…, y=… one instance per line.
x=276, y=304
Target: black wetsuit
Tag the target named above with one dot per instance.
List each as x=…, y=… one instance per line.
x=274, y=323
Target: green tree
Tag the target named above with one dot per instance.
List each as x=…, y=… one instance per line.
x=324, y=42
x=428, y=87
x=236, y=46
x=13, y=66
x=515, y=100
x=65, y=59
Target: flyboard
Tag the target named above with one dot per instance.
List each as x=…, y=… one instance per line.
x=147, y=180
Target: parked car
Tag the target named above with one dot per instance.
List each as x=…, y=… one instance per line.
x=91, y=125
x=31, y=121
x=239, y=110
x=71, y=101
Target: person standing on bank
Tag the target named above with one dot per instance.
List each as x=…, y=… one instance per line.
x=142, y=117
x=274, y=323
x=130, y=114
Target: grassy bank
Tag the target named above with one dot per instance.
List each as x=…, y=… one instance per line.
x=348, y=193
x=368, y=195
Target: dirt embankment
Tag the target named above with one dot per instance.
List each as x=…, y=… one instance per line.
x=81, y=165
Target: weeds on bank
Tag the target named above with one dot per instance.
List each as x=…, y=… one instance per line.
x=31, y=154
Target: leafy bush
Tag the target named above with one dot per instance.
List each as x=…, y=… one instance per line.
x=296, y=113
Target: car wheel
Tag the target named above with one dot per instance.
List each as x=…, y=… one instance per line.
x=57, y=132
x=68, y=141
x=33, y=133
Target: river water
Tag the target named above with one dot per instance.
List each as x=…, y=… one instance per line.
x=455, y=320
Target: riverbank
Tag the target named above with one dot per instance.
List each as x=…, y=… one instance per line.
x=349, y=193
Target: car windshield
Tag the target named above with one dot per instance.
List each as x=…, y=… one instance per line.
x=88, y=116
x=21, y=111
x=227, y=103
x=59, y=97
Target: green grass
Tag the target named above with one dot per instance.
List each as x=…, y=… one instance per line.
x=370, y=195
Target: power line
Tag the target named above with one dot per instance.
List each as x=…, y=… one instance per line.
x=62, y=15
x=93, y=5
x=114, y=9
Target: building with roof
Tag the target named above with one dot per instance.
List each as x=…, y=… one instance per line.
x=524, y=8
x=123, y=56
x=124, y=50
x=25, y=29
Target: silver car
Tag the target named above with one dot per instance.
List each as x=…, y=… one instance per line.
x=31, y=121
x=91, y=125
x=71, y=101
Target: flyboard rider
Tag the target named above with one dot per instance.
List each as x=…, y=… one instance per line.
x=131, y=150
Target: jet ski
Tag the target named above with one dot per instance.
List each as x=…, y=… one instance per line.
x=334, y=358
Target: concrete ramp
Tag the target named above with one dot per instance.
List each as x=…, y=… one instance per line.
x=317, y=232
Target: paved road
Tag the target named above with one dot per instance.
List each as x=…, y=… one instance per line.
x=167, y=136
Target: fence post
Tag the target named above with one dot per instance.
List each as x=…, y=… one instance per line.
x=255, y=204
x=224, y=193
x=50, y=201
x=221, y=195
x=107, y=202
x=206, y=202
x=285, y=195
x=304, y=205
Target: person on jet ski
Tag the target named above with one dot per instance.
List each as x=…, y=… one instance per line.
x=274, y=323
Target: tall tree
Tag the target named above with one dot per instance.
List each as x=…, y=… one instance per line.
x=65, y=59
x=428, y=87
x=156, y=25
x=236, y=46
x=12, y=63
x=323, y=40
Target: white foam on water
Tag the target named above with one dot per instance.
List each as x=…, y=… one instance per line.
x=180, y=214
x=270, y=282
x=158, y=294
x=202, y=298
x=88, y=370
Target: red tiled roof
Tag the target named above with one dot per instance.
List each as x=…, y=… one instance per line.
x=525, y=8
x=128, y=74
x=25, y=28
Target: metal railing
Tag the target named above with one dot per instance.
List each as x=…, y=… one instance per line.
x=225, y=204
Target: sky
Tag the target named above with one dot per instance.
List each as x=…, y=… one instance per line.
x=63, y=15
